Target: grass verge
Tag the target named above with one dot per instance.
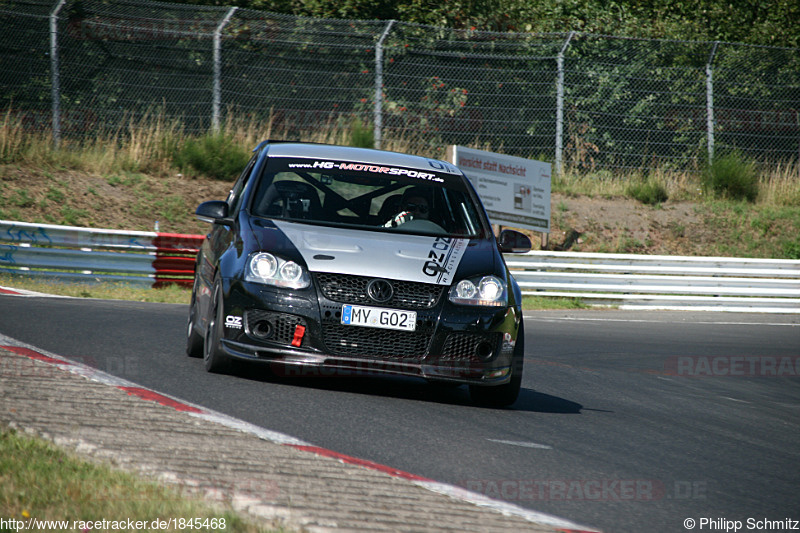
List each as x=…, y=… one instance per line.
x=754, y=231
x=104, y=291
x=40, y=481
x=541, y=303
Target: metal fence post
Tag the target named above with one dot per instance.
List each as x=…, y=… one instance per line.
x=378, y=111
x=560, y=106
x=710, y=101
x=55, y=80
x=217, y=96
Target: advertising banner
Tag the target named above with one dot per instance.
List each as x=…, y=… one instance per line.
x=514, y=190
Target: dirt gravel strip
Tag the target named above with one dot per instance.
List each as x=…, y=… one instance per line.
x=278, y=480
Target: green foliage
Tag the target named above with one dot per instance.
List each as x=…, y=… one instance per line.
x=215, y=155
x=41, y=480
x=472, y=14
x=731, y=176
x=339, y=9
x=56, y=195
x=648, y=191
x=774, y=23
x=549, y=302
x=22, y=198
x=791, y=249
x=361, y=135
x=170, y=208
x=73, y=217
x=13, y=138
x=746, y=230
x=629, y=245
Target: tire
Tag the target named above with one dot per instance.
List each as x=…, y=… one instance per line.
x=194, y=341
x=503, y=395
x=214, y=358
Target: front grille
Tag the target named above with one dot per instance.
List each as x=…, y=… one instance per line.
x=271, y=326
x=353, y=290
x=375, y=343
x=469, y=347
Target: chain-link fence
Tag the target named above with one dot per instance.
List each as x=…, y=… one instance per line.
x=582, y=101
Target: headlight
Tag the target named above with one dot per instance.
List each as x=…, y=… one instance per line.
x=266, y=268
x=488, y=290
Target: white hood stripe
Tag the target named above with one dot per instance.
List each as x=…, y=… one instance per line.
x=381, y=255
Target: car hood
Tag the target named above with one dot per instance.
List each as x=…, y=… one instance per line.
x=418, y=258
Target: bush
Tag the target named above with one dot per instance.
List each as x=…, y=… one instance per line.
x=215, y=155
x=649, y=192
x=733, y=177
x=361, y=136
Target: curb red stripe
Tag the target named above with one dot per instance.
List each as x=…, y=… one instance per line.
x=359, y=462
x=141, y=392
x=8, y=291
x=27, y=352
x=153, y=396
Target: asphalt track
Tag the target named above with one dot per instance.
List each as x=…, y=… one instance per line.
x=629, y=422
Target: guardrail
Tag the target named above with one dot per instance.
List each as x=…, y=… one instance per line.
x=661, y=282
x=624, y=280
x=97, y=255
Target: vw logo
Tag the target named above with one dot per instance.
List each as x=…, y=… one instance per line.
x=380, y=290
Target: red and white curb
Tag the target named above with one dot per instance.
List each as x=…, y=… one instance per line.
x=455, y=492
x=14, y=292
x=22, y=292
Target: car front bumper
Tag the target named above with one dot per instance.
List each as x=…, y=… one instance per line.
x=300, y=334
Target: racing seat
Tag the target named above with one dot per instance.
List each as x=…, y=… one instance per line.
x=389, y=208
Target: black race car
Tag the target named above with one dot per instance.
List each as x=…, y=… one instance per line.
x=348, y=260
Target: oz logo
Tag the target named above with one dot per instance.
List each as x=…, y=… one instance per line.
x=233, y=322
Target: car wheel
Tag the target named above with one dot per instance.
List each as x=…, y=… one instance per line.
x=194, y=341
x=503, y=395
x=213, y=356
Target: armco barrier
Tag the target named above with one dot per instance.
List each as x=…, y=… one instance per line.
x=93, y=255
x=662, y=282
x=624, y=280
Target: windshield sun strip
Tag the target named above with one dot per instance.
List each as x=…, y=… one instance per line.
x=362, y=204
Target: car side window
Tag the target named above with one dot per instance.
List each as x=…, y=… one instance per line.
x=235, y=196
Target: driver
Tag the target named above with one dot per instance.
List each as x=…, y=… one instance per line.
x=414, y=206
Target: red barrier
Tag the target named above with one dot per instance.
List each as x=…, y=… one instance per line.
x=175, y=258
x=177, y=243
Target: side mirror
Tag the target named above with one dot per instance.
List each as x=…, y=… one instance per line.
x=215, y=212
x=513, y=242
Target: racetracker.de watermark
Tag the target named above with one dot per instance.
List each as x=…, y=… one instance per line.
x=733, y=366
x=597, y=490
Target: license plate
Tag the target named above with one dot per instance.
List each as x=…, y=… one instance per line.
x=378, y=317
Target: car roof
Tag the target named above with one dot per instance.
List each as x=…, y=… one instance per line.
x=358, y=155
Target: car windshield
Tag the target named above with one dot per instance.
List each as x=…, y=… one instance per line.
x=365, y=196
